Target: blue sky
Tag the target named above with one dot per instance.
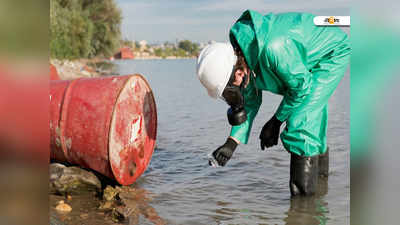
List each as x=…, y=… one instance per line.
x=158, y=21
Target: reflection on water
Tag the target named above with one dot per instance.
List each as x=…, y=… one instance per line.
x=136, y=204
x=309, y=210
x=253, y=187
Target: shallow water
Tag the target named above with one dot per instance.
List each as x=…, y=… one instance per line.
x=253, y=187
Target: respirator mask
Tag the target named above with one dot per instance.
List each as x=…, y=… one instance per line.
x=233, y=96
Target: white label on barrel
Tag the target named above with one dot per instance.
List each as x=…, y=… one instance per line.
x=135, y=127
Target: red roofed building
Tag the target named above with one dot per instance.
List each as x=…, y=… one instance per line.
x=124, y=53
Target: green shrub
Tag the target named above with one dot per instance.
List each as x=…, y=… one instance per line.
x=84, y=28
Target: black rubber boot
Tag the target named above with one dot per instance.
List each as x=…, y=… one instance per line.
x=323, y=164
x=303, y=175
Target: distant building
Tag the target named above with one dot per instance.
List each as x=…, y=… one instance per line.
x=151, y=50
x=143, y=45
x=144, y=54
x=124, y=53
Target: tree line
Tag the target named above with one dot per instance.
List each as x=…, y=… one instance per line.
x=184, y=48
x=84, y=28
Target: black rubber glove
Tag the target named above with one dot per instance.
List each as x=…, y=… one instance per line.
x=225, y=152
x=270, y=133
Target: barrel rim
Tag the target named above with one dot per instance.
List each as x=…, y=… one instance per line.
x=130, y=76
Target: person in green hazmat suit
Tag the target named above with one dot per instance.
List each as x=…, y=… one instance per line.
x=288, y=55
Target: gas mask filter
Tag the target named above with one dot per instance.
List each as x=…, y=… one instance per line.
x=233, y=96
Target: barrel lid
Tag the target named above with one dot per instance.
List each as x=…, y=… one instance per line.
x=133, y=130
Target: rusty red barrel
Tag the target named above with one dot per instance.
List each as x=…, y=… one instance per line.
x=107, y=124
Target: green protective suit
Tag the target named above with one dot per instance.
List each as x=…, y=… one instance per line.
x=290, y=56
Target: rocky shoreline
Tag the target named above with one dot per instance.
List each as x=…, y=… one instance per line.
x=68, y=70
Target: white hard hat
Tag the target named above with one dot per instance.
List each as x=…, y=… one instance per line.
x=214, y=67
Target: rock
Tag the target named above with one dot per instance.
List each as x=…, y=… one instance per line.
x=72, y=180
x=116, y=216
x=84, y=216
x=63, y=207
x=127, y=211
x=109, y=193
x=109, y=197
x=106, y=205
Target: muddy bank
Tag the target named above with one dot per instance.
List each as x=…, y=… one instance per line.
x=79, y=196
x=128, y=206
x=84, y=210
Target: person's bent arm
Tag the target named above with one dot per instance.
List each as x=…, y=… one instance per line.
x=253, y=99
x=240, y=134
